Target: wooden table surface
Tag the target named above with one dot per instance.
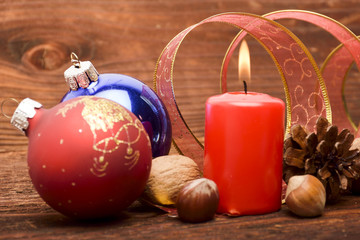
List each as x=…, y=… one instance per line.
x=36, y=39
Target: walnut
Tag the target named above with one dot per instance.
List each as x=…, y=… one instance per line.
x=167, y=176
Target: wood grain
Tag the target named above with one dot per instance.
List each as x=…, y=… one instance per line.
x=36, y=39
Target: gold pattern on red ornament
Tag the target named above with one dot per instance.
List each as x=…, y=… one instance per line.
x=101, y=115
x=85, y=156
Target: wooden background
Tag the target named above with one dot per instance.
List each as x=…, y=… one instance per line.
x=36, y=39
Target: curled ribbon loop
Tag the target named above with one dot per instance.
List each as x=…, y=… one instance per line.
x=335, y=68
x=296, y=66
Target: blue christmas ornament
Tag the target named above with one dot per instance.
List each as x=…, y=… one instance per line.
x=137, y=97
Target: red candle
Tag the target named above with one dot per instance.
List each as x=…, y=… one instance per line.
x=244, y=135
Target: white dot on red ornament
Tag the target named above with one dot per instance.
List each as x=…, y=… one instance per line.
x=39, y=134
x=73, y=184
x=80, y=130
x=43, y=166
x=62, y=170
x=61, y=141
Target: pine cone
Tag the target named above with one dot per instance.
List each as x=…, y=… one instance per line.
x=325, y=155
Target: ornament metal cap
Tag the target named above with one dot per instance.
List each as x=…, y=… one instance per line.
x=23, y=112
x=80, y=74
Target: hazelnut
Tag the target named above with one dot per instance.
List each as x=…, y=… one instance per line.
x=167, y=176
x=198, y=201
x=305, y=196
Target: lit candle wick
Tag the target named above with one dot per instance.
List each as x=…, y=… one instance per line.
x=245, y=87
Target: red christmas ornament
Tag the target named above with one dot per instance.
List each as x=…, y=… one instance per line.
x=88, y=157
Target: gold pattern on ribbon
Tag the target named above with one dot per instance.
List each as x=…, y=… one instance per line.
x=101, y=115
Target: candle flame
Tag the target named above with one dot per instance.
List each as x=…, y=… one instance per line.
x=244, y=62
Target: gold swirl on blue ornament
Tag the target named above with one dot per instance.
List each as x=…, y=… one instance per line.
x=101, y=115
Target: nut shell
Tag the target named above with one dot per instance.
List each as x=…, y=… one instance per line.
x=305, y=196
x=167, y=176
x=198, y=201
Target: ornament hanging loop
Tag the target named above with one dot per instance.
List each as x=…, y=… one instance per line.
x=80, y=76
x=75, y=60
x=2, y=106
